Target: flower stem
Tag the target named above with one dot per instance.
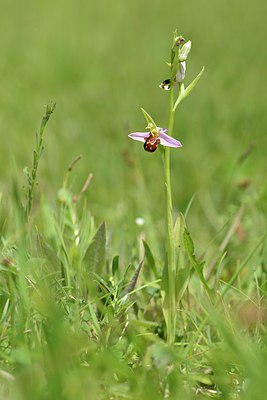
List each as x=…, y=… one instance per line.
x=171, y=259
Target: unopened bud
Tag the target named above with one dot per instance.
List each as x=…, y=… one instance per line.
x=185, y=50
x=178, y=40
x=179, y=77
x=165, y=85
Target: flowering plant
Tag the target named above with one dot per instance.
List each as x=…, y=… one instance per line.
x=155, y=137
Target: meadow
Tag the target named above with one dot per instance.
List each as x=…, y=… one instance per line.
x=83, y=254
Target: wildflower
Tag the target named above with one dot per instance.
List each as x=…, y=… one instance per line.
x=155, y=137
x=179, y=77
x=178, y=63
x=139, y=221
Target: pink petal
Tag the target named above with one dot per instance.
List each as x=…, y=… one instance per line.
x=140, y=136
x=167, y=140
x=161, y=130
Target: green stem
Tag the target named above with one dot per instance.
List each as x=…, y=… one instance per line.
x=36, y=156
x=171, y=316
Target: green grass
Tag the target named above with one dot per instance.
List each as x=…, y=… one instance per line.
x=72, y=323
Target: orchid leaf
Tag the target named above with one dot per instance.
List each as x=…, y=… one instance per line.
x=190, y=87
x=182, y=269
x=185, y=92
x=197, y=265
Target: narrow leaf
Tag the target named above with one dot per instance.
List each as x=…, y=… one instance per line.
x=150, y=259
x=179, y=228
x=183, y=269
x=96, y=253
x=198, y=266
x=115, y=265
x=131, y=285
x=190, y=87
x=185, y=92
x=94, y=320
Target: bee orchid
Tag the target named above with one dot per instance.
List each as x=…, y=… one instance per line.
x=153, y=138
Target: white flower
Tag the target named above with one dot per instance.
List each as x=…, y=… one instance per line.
x=139, y=221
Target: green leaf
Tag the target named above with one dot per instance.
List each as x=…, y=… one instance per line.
x=102, y=284
x=150, y=259
x=45, y=250
x=86, y=227
x=183, y=270
x=163, y=355
x=165, y=290
x=94, y=320
x=96, y=253
x=190, y=87
x=178, y=231
x=182, y=280
x=198, y=266
x=115, y=265
x=131, y=285
x=189, y=245
x=185, y=92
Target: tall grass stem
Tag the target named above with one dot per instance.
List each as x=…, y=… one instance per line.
x=31, y=175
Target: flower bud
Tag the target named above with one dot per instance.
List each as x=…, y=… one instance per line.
x=179, y=77
x=185, y=50
x=166, y=85
x=178, y=40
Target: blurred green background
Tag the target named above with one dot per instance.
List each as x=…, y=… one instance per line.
x=103, y=60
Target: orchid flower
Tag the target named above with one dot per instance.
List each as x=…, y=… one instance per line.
x=178, y=64
x=179, y=77
x=155, y=137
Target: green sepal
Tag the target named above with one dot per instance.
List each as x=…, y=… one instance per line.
x=197, y=265
x=151, y=125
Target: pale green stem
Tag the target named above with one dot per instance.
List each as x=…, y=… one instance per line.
x=171, y=316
